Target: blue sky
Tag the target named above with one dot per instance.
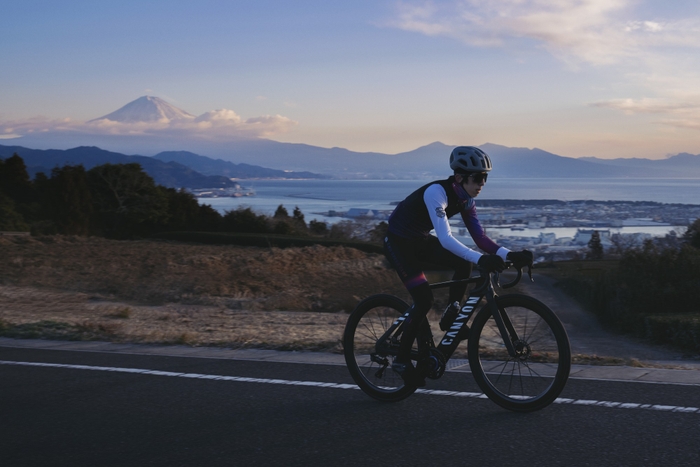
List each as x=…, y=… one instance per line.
x=604, y=78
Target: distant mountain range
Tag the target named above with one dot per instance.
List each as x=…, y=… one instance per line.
x=165, y=169
x=187, y=169
x=182, y=160
x=432, y=161
x=209, y=166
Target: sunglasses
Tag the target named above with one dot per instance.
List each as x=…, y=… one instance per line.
x=479, y=177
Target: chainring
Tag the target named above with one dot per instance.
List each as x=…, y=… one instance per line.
x=436, y=364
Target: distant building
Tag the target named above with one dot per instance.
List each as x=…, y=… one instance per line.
x=374, y=214
x=547, y=238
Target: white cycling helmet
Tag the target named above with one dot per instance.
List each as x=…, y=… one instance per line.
x=468, y=159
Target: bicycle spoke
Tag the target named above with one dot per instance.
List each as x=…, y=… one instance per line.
x=369, y=359
x=529, y=379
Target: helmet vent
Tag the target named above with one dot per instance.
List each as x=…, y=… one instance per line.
x=466, y=159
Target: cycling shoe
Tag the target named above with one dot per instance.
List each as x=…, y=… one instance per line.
x=410, y=375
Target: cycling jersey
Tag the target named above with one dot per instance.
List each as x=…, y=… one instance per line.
x=430, y=208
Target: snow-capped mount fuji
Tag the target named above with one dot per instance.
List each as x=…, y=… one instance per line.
x=146, y=109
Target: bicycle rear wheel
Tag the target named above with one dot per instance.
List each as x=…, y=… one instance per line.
x=535, y=377
x=369, y=363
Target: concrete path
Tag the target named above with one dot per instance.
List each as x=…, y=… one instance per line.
x=588, y=337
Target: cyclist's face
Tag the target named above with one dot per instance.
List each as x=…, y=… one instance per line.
x=472, y=187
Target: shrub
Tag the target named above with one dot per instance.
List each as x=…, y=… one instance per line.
x=653, y=293
x=244, y=220
x=681, y=330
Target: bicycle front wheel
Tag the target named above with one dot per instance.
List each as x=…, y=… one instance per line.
x=536, y=375
x=369, y=363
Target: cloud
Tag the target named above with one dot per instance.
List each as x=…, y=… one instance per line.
x=683, y=114
x=216, y=125
x=40, y=124
x=657, y=56
x=649, y=106
x=597, y=32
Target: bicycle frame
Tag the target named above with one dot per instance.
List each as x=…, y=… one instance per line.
x=459, y=330
x=521, y=371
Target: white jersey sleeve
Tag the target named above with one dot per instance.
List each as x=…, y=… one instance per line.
x=435, y=200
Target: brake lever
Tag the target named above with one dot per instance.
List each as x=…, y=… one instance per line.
x=529, y=273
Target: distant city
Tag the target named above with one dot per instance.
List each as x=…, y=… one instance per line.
x=514, y=217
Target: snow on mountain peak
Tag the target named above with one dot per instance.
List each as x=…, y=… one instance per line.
x=147, y=109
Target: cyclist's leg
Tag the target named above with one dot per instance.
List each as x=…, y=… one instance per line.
x=431, y=251
x=401, y=253
x=422, y=303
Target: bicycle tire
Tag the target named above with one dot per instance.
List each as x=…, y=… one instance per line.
x=366, y=324
x=533, y=379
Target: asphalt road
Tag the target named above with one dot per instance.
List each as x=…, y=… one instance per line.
x=105, y=409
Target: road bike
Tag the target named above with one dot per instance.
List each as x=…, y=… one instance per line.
x=518, y=350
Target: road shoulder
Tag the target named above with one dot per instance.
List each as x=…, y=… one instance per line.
x=669, y=372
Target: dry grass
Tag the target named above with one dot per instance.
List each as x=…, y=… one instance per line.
x=160, y=292
x=28, y=312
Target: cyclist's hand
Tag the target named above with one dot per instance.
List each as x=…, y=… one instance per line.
x=492, y=263
x=521, y=258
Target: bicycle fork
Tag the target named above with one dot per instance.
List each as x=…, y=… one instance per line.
x=505, y=327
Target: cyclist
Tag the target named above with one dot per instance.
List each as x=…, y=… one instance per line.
x=411, y=249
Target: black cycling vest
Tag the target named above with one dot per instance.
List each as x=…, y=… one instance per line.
x=410, y=219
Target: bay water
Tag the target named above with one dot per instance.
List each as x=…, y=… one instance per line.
x=316, y=197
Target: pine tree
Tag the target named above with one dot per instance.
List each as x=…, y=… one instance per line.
x=16, y=185
x=595, y=246
x=14, y=179
x=281, y=212
x=298, y=217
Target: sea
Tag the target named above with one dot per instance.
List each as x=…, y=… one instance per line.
x=315, y=198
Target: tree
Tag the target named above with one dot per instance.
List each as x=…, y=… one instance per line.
x=126, y=200
x=318, y=228
x=185, y=212
x=595, y=246
x=282, y=222
x=344, y=229
x=67, y=201
x=281, y=212
x=14, y=179
x=622, y=243
x=10, y=219
x=283, y=228
x=377, y=234
x=244, y=220
x=15, y=184
x=298, y=215
x=298, y=219
x=692, y=235
x=208, y=219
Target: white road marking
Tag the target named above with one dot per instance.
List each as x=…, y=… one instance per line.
x=432, y=392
